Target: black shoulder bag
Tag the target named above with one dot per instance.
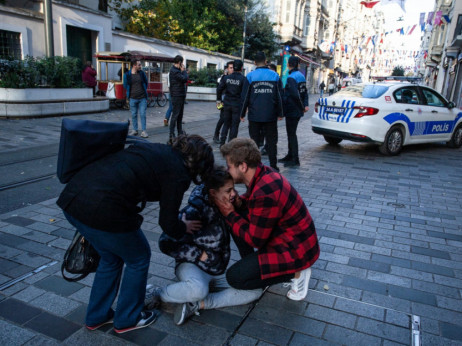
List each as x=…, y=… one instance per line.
x=80, y=258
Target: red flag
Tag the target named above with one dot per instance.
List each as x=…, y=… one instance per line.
x=369, y=4
x=410, y=31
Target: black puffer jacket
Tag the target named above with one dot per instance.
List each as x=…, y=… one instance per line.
x=213, y=238
x=178, y=81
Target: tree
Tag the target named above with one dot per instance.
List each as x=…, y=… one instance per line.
x=398, y=71
x=214, y=25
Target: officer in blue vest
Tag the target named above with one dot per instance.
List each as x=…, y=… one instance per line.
x=295, y=103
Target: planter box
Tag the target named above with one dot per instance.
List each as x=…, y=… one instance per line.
x=49, y=94
x=30, y=103
x=201, y=94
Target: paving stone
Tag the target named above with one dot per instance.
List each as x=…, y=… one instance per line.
x=430, y=252
x=14, y=335
x=52, y=326
x=429, y=339
x=443, y=315
x=15, y=230
x=384, y=330
x=336, y=242
x=303, y=340
x=386, y=301
x=59, y=286
x=28, y=294
x=40, y=340
x=349, y=337
x=19, y=221
x=373, y=249
x=428, y=325
x=360, y=308
x=11, y=240
x=39, y=237
x=17, y=311
x=32, y=260
x=282, y=303
x=432, y=268
x=346, y=269
x=43, y=227
x=82, y=295
x=320, y=298
x=43, y=250
x=396, y=243
x=451, y=331
x=444, y=280
x=411, y=273
x=351, y=253
x=376, y=266
x=262, y=331
x=398, y=318
x=331, y=316
x=445, y=235
x=55, y=304
x=289, y=321
x=448, y=303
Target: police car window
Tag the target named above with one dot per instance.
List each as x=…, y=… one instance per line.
x=407, y=95
x=433, y=99
x=370, y=91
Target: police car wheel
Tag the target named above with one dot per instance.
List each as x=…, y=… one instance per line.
x=456, y=139
x=332, y=140
x=393, y=142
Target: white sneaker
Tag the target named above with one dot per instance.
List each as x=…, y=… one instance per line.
x=144, y=134
x=299, y=287
x=133, y=133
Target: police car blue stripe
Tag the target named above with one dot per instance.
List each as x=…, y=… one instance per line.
x=346, y=111
x=422, y=128
x=351, y=112
x=323, y=109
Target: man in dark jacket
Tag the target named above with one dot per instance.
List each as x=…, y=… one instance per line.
x=261, y=95
x=216, y=137
x=295, y=105
x=231, y=86
x=104, y=201
x=178, y=79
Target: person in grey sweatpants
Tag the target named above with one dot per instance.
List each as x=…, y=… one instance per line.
x=202, y=256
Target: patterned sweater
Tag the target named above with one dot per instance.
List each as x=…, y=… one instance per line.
x=213, y=238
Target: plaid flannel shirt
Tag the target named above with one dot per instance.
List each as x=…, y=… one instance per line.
x=276, y=223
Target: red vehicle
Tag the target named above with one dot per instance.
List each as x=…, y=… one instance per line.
x=111, y=68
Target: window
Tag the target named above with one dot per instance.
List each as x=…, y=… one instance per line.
x=288, y=5
x=191, y=65
x=433, y=99
x=307, y=24
x=363, y=90
x=407, y=95
x=102, y=5
x=166, y=66
x=458, y=30
x=211, y=66
x=10, y=44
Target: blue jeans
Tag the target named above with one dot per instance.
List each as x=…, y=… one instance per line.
x=135, y=106
x=117, y=249
x=170, y=107
x=321, y=93
x=194, y=285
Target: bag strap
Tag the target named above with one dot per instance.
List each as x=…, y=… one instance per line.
x=68, y=278
x=72, y=279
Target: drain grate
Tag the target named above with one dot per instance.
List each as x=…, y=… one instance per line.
x=396, y=205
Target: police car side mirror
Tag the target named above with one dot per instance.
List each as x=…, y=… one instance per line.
x=451, y=105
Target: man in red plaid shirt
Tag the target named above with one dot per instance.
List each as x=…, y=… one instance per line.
x=271, y=217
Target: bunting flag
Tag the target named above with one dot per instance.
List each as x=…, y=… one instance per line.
x=401, y=31
x=399, y=2
x=412, y=29
x=422, y=21
x=430, y=18
x=369, y=4
x=438, y=17
x=446, y=18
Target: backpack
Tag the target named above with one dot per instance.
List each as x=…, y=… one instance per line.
x=85, y=141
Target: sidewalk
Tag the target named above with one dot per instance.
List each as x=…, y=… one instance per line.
x=390, y=231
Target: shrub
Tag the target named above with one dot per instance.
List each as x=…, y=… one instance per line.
x=205, y=77
x=50, y=72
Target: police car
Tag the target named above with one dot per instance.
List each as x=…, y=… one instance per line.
x=390, y=114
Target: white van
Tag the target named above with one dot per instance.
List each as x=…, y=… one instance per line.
x=350, y=81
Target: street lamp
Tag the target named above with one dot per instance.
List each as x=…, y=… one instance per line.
x=243, y=34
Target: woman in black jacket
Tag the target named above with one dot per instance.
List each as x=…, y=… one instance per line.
x=202, y=257
x=104, y=200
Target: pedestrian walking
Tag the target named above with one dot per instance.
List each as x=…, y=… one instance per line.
x=104, y=201
x=89, y=76
x=261, y=96
x=230, y=89
x=178, y=78
x=216, y=136
x=136, y=85
x=272, y=218
x=202, y=257
x=295, y=106
x=331, y=87
x=322, y=86
x=170, y=107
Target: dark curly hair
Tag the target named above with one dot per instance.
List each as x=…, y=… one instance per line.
x=217, y=178
x=197, y=155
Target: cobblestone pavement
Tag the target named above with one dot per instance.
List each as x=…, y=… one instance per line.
x=390, y=230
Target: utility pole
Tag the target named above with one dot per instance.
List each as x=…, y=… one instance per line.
x=243, y=34
x=48, y=19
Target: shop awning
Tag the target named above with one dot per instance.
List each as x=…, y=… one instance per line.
x=304, y=58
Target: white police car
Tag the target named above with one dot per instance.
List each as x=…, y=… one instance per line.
x=388, y=114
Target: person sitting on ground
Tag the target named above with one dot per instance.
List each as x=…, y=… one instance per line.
x=202, y=257
x=271, y=217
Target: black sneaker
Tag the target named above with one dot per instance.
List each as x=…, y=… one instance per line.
x=184, y=312
x=152, y=299
x=263, y=151
x=292, y=163
x=286, y=158
x=146, y=318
